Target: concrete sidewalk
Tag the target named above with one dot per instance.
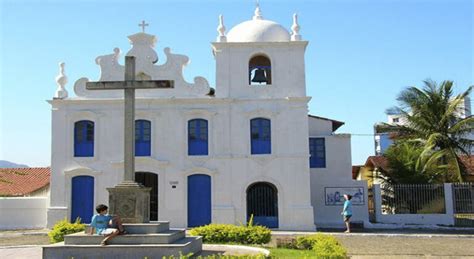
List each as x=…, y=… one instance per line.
x=466, y=233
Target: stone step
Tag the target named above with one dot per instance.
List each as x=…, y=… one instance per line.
x=184, y=246
x=147, y=228
x=167, y=237
x=143, y=228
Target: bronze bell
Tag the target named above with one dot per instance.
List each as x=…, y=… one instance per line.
x=259, y=76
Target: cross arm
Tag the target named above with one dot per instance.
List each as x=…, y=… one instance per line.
x=121, y=85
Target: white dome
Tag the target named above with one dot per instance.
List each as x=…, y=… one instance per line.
x=258, y=30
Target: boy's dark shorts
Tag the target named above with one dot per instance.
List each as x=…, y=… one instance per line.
x=347, y=218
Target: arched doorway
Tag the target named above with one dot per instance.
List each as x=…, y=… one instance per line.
x=150, y=180
x=199, y=200
x=262, y=203
x=82, y=198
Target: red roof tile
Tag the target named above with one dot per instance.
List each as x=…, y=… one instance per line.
x=380, y=162
x=21, y=181
x=355, y=171
x=468, y=162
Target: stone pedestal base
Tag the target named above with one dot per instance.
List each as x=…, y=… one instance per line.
x=130, y=201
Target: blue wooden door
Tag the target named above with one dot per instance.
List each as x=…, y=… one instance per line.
x=82, y=198
x=199, y=200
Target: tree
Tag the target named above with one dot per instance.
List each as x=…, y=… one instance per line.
x=434, y=119
x=405, y=166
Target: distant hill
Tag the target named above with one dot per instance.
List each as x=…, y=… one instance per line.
x=8, y=164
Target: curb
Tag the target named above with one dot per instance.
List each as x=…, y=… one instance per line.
x=412, y=235
x=21, y=246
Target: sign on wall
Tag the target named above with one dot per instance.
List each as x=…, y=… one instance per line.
x=335, y=195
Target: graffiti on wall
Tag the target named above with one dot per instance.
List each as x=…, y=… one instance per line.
x=335, y=195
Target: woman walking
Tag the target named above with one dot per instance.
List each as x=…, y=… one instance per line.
x=347, y=212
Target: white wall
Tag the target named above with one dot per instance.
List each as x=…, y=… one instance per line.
x=23, y=212
x=330, y=215
x=319, y=127
x=446, y=219
x=338, y=174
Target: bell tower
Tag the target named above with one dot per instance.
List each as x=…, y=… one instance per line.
x=258, y=59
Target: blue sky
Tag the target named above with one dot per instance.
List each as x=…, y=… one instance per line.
x=361, y=54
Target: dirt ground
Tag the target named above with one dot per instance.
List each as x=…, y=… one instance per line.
x=24, y=240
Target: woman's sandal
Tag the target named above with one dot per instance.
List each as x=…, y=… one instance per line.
x=124, y=232
x=103, y=243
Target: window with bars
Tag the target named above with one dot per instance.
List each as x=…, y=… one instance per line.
x=197, y=137
x=260, y=136
x=84, y=138
x=142, y=138
x=317, y=151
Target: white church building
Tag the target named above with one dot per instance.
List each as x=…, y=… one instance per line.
x=211, y=155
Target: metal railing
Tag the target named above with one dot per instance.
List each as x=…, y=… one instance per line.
x=413, y=199
x=463, y=198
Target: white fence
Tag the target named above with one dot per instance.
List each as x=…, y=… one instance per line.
x=446, y=218
x=23, y=212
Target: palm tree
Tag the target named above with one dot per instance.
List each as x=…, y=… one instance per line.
x=433, y=117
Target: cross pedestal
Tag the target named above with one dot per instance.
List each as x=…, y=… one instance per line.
x=131, y=203
x=130, y=200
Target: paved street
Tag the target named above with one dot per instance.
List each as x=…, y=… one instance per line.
x=406, y=246
x=359, y=245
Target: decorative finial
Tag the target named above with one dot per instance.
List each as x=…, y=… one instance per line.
x=257, y=14
x=221, y=30
x=295, y=28
x=61, y=81
x=143, y=25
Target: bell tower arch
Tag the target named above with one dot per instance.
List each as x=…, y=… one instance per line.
x=260, y=70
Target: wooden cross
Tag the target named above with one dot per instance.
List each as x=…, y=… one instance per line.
x=129, y=86
x=143, y=24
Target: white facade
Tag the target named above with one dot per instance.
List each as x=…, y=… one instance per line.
x=229, y=163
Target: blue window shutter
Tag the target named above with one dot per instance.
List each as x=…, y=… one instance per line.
x=142, y=138
x=317, y=151
x=260, y=136
x=197, y=137
x=84, y=138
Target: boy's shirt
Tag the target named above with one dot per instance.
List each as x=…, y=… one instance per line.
x=100, y=222
x=347, y=208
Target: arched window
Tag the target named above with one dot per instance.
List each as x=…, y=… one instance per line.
x=260, y=136
x=197, y=137
x=142, y=138
x=84, y=138
x=260, y=70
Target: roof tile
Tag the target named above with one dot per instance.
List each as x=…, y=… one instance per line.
x=22, y=181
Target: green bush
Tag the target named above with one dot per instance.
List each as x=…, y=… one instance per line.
x=323, y=245
x=226, y=233
x=64, y=227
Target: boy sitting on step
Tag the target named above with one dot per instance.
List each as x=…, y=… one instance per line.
x=104, y=224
